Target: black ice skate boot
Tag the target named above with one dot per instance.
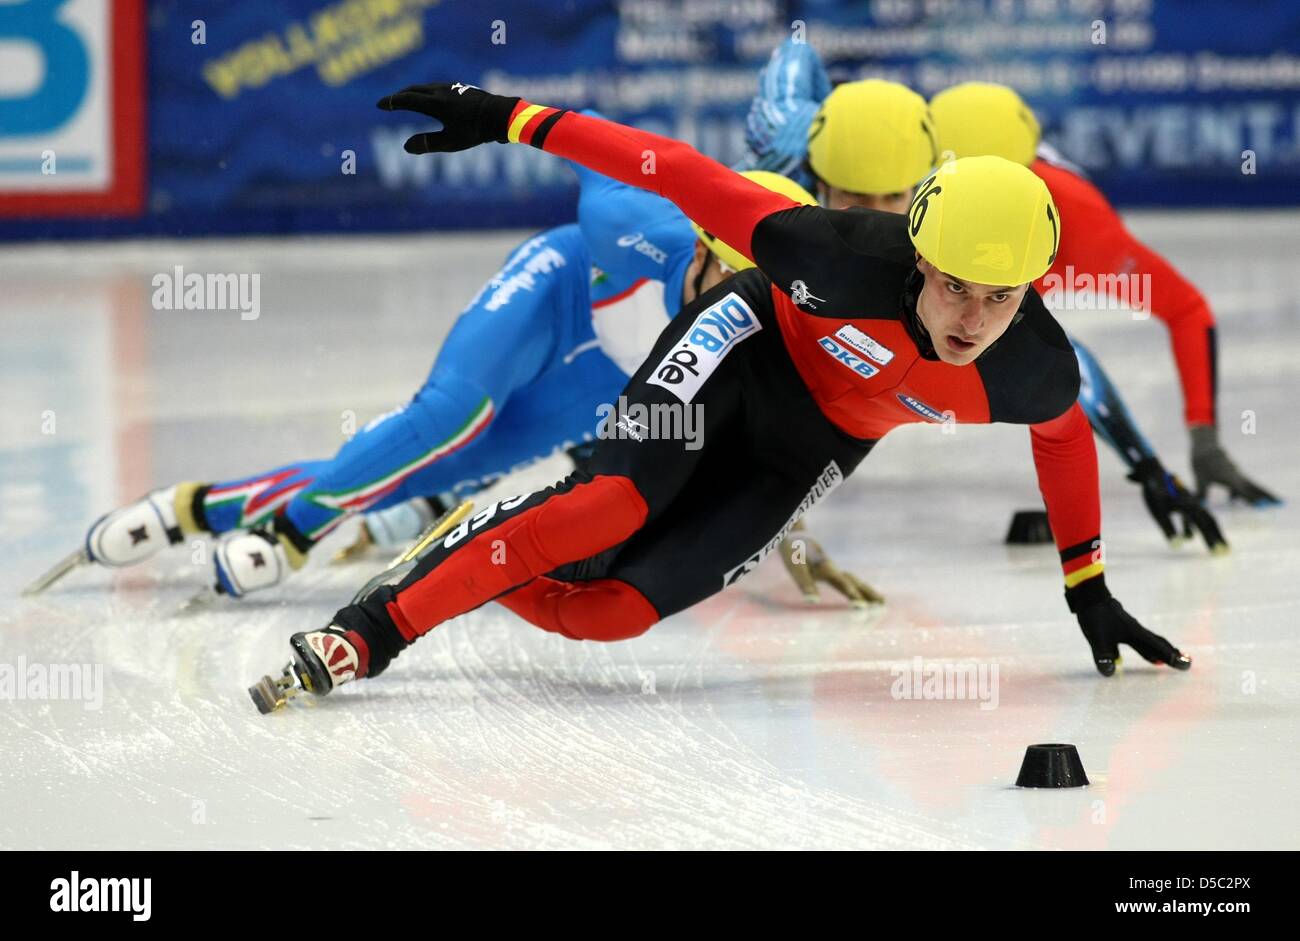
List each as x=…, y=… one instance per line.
x=322, y=660
x=342, y=652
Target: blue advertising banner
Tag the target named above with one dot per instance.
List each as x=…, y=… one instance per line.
x=261, y=116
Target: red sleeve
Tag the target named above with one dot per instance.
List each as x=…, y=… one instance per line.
x=1066, y=460
x=1096, y=245
x=723, y=202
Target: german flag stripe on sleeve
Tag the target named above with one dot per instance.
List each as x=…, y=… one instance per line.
x=1070, y=553
x=1082, y=561
x=529, y=124
x=1082, y=574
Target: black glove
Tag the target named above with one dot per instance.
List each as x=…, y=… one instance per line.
x=469, y=115
x=369, y=617
x=1211, y=465
x=1165, y=495
x=1106, y=625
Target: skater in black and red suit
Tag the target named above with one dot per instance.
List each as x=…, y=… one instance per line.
x=854, y=322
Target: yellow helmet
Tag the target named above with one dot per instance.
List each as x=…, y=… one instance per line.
x=777, y=184
x=976, y=119
x=872, y=137
x=987, y=220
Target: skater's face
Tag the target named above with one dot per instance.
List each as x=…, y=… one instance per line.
x=832, y=197
x=703, y=273
x=963, y=317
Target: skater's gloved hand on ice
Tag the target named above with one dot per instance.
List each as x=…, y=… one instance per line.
x=1165, y=495
x=808, y=564
x=1211, y=465
x=1106, y=625
x=469, y=116
x=791, y=88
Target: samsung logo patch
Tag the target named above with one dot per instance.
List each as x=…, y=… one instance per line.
x=925, y=411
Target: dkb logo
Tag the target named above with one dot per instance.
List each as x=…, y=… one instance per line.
x=713, y=335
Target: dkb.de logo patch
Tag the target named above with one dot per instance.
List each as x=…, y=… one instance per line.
x=713, y=335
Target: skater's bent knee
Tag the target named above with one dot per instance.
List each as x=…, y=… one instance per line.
x=605, y=610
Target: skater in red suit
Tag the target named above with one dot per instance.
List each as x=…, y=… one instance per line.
x=976, y=119
x=854, y=322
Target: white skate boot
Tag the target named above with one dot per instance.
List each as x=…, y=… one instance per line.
x=132, y=533
x=254, y=561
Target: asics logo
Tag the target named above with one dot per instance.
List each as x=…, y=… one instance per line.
x=645, y=247
x=460, y=88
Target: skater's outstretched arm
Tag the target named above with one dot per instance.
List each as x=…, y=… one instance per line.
x=1163, y=493
x=804, y=250
x=1104, y=251
x=1099, y=247
x=791, y=87
x=722, y=201
x=1066, y=460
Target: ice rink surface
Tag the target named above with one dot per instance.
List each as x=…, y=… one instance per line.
x=749, y=721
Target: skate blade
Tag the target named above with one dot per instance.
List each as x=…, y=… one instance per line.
x=359, y=547
x=60, y=569
x=200, y=601
x=400, y=566
x=270, y=694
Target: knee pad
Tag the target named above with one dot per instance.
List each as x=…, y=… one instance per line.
x=605, y=609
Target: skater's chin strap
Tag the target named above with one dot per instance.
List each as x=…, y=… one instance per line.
x=911, y=319
x=698, y=286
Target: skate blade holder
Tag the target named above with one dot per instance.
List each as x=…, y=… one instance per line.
x=272, y=693
x=61, y=568
x=356, y=549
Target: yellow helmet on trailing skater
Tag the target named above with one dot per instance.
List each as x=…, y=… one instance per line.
x=872, y=136
x=979, y=119
x=986, y=220
x=777, y=184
